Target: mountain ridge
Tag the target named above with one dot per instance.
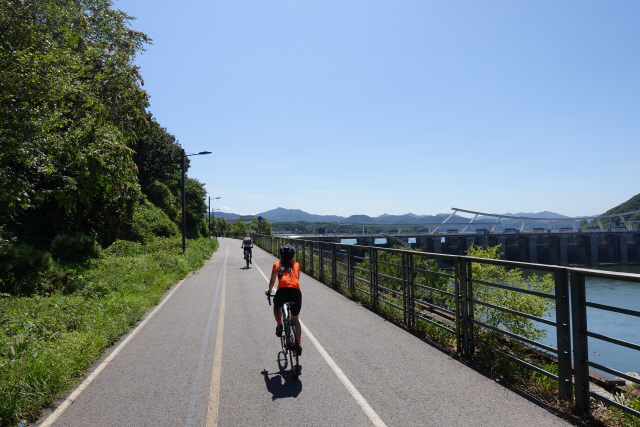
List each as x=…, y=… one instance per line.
x=297, y=215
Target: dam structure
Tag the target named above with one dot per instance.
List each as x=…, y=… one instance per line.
x=542, y=245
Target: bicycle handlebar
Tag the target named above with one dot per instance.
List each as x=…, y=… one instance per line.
x=266, y=292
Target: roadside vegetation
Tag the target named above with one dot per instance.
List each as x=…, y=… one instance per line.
x=49, y=339
x=90, y=206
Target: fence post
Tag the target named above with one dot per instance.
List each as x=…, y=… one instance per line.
x=580, y=343
x=457, y=292
x=311, y=264
x=304, y=255
x=371, y=275
x=375, y=279
x=334, y=270
x=411, y=293
x=405, y=286
x=349, y=270
x=464, y=305
x=470, y=316
x=321, y=262
x=563, y=333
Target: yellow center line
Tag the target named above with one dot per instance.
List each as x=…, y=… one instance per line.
x=214, y=391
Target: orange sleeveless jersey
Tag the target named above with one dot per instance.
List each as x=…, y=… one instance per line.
x=289, y=279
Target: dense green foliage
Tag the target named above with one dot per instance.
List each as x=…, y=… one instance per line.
x=390, y=276
x=70, y=101
x=74, y=248
x=512, y=300
x=220, y=225
x=22, y=268
x=46, y=343
x=81, y=159
x=238, y=229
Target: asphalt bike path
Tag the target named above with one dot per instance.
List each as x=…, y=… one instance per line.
x=208, y=355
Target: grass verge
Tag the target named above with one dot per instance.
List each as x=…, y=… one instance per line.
x=47, y=342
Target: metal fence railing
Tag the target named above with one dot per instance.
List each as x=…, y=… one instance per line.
x=413, y=285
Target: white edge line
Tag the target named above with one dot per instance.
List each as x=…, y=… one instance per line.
x=375, y=419
x=60, y=409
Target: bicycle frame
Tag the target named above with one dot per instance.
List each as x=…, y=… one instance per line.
x=288, y=340
x=286, y=321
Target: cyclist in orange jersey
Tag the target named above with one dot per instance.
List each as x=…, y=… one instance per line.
x=288, y=273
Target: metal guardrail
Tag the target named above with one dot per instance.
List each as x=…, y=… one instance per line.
x=404, y=286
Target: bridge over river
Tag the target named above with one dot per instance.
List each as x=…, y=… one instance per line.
x=208, y=356
x=549, y=245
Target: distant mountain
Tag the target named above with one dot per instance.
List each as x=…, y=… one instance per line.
x=544, y=214
x=297, y=215
x=361, y=219
x=225, y=215
x=293, y=215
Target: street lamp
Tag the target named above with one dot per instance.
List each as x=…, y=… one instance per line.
x=214, y=217
x=184, y=208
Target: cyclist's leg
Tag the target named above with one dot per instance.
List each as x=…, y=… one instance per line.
x=296, y=297
x=277, y=313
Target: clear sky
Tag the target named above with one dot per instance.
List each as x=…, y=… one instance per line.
x=368, y=107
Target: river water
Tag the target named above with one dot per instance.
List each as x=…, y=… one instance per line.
x=621, y=326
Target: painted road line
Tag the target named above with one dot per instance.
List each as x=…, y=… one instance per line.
x=195, y=389
x=375, y=419
x=60, y=409
x=214, y=391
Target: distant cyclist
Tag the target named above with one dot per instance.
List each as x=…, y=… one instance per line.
x=247, y=244
x=288, y=273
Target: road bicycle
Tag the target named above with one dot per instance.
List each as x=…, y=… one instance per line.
x=247, y=257
x=288, y=340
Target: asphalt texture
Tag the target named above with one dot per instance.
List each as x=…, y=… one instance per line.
x=163, y=375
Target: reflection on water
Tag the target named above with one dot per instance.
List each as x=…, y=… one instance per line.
x=621, y=326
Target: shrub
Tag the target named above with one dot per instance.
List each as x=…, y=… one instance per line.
x=75, y=248
x=153, y=222
x=22, y=268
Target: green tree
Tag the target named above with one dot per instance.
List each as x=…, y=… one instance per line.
x=196, y=208
x=70, y=103
x=157, y=157
x=390, y=265
x=221, y=226
x=264, y=229
x=239, y=229
x=512, y=300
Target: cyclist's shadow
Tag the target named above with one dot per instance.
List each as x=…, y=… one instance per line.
x=282, y=384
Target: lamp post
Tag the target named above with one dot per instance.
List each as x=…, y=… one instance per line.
x=214, y=216
x=184, y=208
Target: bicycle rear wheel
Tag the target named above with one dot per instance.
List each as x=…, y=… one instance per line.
x=293, y=354
x=246, y=258
x=283, y=343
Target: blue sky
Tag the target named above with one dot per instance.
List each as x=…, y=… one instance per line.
x=370, y=107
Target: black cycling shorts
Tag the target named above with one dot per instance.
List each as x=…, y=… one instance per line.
x=289, y=295
x=248, y=249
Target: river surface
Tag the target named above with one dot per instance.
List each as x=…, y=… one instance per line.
x=621, y=326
